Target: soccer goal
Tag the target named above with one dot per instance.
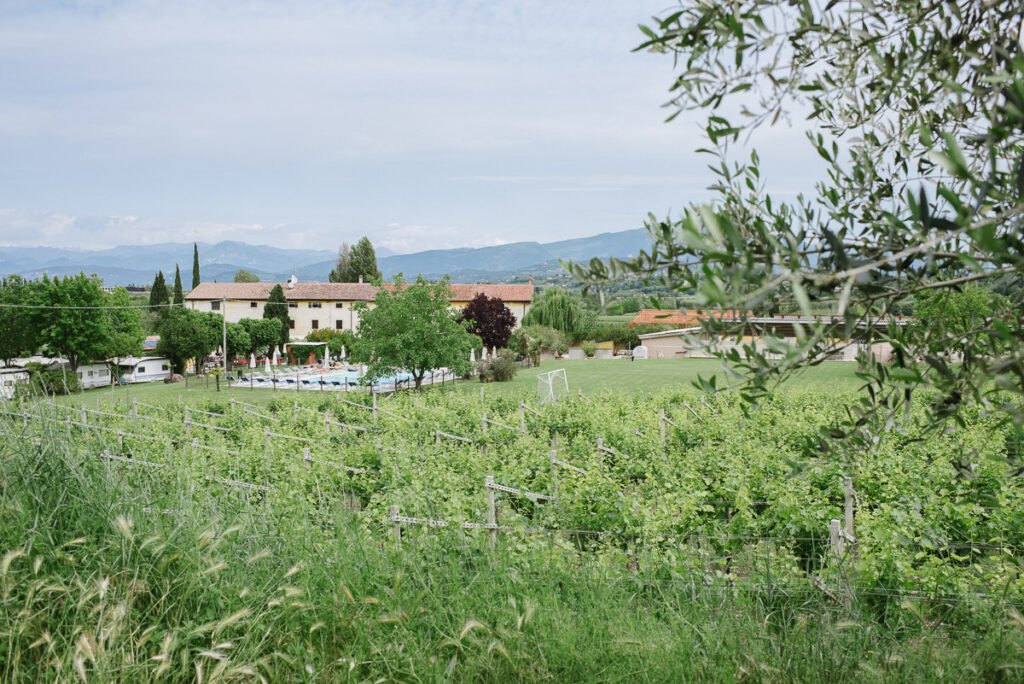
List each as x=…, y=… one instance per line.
x=552, y=385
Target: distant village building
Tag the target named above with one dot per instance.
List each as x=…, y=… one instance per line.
x=317, y=306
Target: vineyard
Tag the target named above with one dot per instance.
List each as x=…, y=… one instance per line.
x=674, y=493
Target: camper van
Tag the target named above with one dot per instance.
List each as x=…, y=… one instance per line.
x=93, y=375
x=133, y=369
x=9, y=377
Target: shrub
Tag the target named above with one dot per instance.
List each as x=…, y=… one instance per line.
x=500, y=369
x=589, y=348
x=48, y=382
x=531, y=340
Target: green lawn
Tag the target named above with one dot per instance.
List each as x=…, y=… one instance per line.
x=590, y=377
x=642, y=377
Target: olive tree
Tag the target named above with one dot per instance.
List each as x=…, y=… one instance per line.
x=916, y=108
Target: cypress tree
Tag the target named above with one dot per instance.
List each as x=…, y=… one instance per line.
x=195, y=265
x=158, y=294
x=277, y=307
x=179, y=296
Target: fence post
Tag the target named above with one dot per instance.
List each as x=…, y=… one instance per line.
x=120, y=440
x=135, y=410
x=483, y=424
x=661, y=424
x=522, y=418
x=188, y=422
x=266, y=436
x=397, y=525
x=437, y=438
x=68, y=423
x=373, y=399
x=492, y=512
x=600, y=443
x=85, y=415
x=327, y=421
x=848, y=508
x=195, y=446
x=835, y=534
x=306, y=457
x=552, y=457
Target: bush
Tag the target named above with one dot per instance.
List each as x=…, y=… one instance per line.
x=531, y=340
x=501, y=369
x=47, y=382
x=589, y=348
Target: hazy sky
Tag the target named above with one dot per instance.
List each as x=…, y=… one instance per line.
x=305, y=123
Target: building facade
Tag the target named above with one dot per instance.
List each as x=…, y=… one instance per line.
x=332, y=306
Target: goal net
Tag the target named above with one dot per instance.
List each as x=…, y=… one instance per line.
x=552, y=385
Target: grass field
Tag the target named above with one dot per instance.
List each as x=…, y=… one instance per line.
x=618, y=376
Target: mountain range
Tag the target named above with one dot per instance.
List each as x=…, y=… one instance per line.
x=137, y=264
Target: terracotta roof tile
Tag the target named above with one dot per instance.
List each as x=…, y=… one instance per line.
x=346, y=291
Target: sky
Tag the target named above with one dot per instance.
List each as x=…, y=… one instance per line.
x=422, y=125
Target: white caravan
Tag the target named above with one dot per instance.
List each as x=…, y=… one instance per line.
x=146, y=369
x=94, y=375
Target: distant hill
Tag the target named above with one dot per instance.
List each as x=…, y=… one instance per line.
x=136, y=264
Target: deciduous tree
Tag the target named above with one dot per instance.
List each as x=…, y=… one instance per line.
x=244, y=276
x=70, y=318
x=489, y=319
x=18, y=336
x=411, y=329
x=188, y=335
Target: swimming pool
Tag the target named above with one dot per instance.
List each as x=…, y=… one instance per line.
x=337, y=380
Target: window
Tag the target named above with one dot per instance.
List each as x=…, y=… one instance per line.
x=214, y=306
x=90, y=374
x=316, y=324
x=338, y=325
x=140, y=369
x=293, y=305
x=164, y=367
x=79, y=375
x=339, y=305
x=314, y=305
x=103, y=373
x=291, y=324
x=252, y=305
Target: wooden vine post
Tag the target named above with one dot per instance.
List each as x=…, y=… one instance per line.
x=188, y=422
x=397, y=524
x=85, y=415
x=522, y=417
x=841, y=532
x=492, y=513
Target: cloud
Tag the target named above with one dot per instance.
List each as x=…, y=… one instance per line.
x=464, y=122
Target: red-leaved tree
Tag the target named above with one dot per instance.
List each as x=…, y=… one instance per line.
x=490, y=320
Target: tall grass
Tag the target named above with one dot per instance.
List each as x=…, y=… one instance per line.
x=121, y=574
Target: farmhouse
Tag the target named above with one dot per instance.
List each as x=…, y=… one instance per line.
x=314, y=306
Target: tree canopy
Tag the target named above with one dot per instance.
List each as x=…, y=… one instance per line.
x=264, y=335
x=558, y=309
x=159, y=294
x=918, y=116
x=489, y=319
x=19, y=335
x=188, y=335
x=411, y=329
x=277, y=308
x=125, y=325
x=356, y=263
x=69, y=318
x=244, y=276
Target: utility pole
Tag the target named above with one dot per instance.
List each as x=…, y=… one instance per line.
x=224, y=332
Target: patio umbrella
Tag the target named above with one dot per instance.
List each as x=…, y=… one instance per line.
x=252, y=360
x=343, y=354
x=483, y=354
x=472, y=355
x=266, y=364
x=277, y=355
